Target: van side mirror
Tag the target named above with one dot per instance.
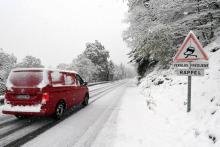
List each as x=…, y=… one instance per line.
x=85, y=83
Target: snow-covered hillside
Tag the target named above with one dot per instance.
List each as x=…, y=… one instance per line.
x=166, y=95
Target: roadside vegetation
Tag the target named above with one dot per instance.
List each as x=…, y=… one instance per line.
x=157, y=28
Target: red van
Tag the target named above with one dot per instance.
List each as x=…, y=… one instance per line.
x=43, y=92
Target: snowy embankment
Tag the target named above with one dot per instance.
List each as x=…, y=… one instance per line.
x=166, y=96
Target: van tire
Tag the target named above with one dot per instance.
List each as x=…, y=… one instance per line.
x=86, y=101
x=59, y=111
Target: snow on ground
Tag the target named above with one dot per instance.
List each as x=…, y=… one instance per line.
x=130, y=125
x=81, y=128
x=158, y=116
x=166, y=96
x=98, y=86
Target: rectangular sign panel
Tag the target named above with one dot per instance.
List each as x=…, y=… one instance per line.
x=199, y=65
x=190, y=72
x=193, y=65
x=181, y=65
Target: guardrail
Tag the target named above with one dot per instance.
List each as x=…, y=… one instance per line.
x=97, y=83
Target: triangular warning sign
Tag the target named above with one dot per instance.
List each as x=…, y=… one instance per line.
x=190, y=50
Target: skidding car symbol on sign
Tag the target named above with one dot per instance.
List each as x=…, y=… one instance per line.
x=189, y=52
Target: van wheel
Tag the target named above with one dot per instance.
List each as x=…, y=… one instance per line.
x=86, y=100
x=59, y=110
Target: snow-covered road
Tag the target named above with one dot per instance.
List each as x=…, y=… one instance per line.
x=77, y=127
x=81, y=128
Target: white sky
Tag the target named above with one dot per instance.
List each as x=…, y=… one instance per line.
x=56, y=30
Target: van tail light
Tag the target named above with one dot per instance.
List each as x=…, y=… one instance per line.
x=45, y=98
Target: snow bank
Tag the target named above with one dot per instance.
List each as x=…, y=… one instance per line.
x=166, y=96
x=32, y=108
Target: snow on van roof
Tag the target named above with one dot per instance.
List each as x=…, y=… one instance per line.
x=44, y=69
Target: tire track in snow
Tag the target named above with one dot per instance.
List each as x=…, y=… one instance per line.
x=10, y=140
x=14, y=126
x=5, y=117
x=9, y=121
x=87, y=139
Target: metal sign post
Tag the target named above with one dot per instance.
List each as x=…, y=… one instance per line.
x=189, y=93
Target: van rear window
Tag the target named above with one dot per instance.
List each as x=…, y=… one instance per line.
x=26, y=78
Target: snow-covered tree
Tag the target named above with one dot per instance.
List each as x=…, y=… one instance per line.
x=122, y=72
x=85, y=68
x=7, y=62
x=111, y=68
x=93, y=65
x=97, y=53
x=64, y=66
x=30, y=62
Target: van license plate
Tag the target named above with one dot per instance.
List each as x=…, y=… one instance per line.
x=22, y=96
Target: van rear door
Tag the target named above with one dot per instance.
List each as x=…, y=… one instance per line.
x=24, y=87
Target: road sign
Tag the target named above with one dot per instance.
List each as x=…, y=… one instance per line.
x=191, y=50
x=190, y=72
x=192, y=65
x=190, y=60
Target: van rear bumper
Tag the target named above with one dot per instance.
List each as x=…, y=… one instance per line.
x=32, y=110
x=42, y=113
